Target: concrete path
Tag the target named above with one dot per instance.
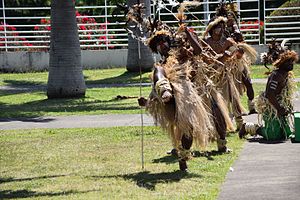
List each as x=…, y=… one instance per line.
x=83, y=121
x=92, y=121
x=264, y=172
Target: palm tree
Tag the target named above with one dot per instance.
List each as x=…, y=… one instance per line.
x=65, y=70
x=139, y=55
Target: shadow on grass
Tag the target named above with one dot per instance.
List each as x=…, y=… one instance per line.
x=207, y=154
x=22, y=83
x=34, y=109
x=126, y=77
x=170, y=159
x=166, y=159
x=19, y=87
x=149, y=180
x=264, y=141
x=7, y=180
x=13, y=194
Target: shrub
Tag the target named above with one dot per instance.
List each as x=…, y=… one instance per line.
x=13, y=36
x=291, y=3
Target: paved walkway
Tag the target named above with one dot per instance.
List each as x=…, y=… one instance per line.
x=262, y=171
x=83, y=121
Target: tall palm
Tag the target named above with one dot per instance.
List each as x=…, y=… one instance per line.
x=65, y=70
x=139, y=55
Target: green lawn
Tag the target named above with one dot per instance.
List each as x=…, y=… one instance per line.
x=99, y=76
x=105, y=76
x=26, y=103
x=259, y=71
x=105, y=163
x=97, y=101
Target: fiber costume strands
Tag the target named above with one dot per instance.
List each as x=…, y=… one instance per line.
x=274, y=127
x=207, y=90
x=241, y=67
x=275, y=104
x=188, y=114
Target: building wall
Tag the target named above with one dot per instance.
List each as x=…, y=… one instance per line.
x=23, y=61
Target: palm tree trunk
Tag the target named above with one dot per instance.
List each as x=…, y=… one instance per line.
x=139, y=55
x=65, y=70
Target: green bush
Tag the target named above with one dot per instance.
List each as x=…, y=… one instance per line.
x=291, y=3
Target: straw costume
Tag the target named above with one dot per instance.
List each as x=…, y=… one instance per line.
x=275, y=104
x=188, y=112
x=242, y=65
x=203, y=71
x=175, y=104
x=228, y=53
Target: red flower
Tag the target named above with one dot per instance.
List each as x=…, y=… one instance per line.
x=11, y=28
x=77, y=13
x=82, y=28
x=261, y=23
x=92, y=20
x=103, y=27
x=48, y=28
x=85, y=20
x=36, y=28
x=44, y=21
x=102, y=38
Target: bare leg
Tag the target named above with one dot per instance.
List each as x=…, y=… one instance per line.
x=250, y=93
x=186, y=143
x=220, y=124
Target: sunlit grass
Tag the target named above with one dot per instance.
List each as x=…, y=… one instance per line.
x=105, y=163
x=106, y=76
x=22, y=101
x=97, y=101
x=259, y=71
x=98, y=76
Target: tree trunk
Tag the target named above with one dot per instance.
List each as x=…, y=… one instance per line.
x=65, y=71
x=139, y=55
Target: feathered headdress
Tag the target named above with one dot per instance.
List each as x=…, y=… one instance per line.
x=287, y=55
x=213, y=23
x=158, y=36
x=224, y=9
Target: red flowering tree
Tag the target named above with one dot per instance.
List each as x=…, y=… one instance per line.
x=13, y=38
x=252, y=27
x=92, y=34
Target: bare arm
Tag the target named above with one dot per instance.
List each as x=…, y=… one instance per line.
x=195, y=44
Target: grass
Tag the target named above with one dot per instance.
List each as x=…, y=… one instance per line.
x=105, y=76
x=259, y=71
x=32, y=102
x=99, y=76
x=97, y=101
x=105, y=163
